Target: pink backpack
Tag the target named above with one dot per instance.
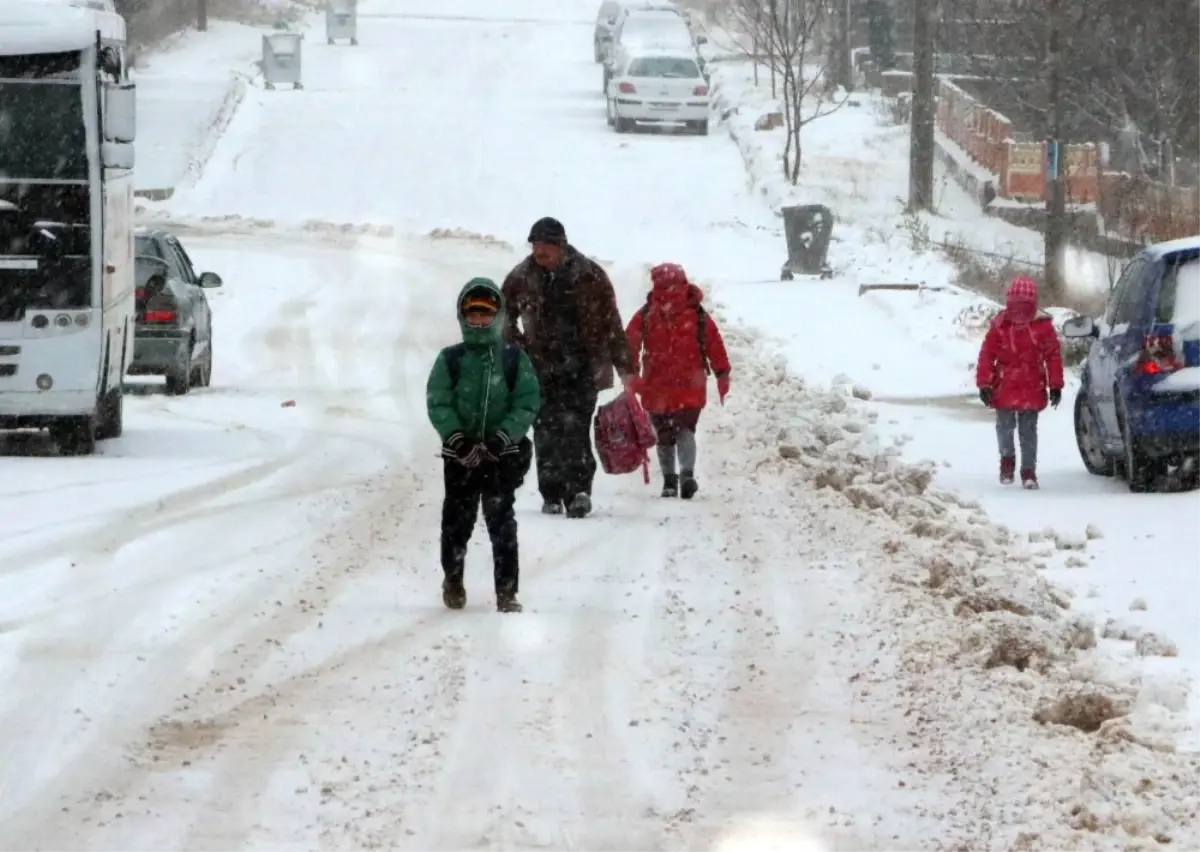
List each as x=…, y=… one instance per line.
x=623, y=435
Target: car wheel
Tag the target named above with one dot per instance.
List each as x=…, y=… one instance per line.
x=702, y=127
x=1139, y=470
x=202, y=373
x=75, y=436
x=622, y=125
x=1091, y=450
x=179, y=382
x=111, y=420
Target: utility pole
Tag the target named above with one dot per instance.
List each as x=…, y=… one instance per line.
x=202, y=15
x=921, y=139
x=1056, y=178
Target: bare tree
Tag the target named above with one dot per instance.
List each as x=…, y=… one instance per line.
x=786, y=36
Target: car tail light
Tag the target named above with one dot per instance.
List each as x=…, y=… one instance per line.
x=627, y=89
x=1158, y=355
x=700, y=90
x=161, y=317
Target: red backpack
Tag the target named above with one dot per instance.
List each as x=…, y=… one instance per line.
x=623, y=436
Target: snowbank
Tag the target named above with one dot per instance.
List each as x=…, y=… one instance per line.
x=1005, y=690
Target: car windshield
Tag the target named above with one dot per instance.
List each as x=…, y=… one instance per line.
x=663, y=66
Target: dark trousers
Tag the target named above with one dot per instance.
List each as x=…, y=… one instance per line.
x=494, y=486
x=562, y=438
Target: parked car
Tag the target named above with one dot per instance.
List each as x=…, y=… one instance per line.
x=174, y=332
x=612, y=11
x=658, y=86
x=1138, y=407
x=640, y=28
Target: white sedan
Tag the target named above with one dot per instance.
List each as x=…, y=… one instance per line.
x=660, y=87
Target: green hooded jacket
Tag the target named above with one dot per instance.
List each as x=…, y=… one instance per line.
x=481, y=404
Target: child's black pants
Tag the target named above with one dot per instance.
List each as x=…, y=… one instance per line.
x=492, y=485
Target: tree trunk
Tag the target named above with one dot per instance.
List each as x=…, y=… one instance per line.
x=1056, y=190
x=921, y=135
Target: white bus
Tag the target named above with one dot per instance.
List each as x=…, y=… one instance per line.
x=67, y=123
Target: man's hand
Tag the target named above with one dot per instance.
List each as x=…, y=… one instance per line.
x=985, y=396
x=1055, y=397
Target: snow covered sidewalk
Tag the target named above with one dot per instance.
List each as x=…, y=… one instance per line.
x=188, y=90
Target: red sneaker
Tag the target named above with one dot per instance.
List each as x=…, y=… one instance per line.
x=1008, y=466
x=1029, y=479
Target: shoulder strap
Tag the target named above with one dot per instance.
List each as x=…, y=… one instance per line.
x=511, y=356
x=454, y=357
x=702, y=337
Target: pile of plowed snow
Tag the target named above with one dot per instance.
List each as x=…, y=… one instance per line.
x=1051, y=743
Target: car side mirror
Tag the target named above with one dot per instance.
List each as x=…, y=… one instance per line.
x=209, y=280
x=1078, y=328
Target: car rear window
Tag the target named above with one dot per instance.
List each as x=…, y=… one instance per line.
x=144, y=245
x=661, y=66
x=1179, y=295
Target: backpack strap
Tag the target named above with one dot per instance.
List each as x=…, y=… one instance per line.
x=511, y=356
x=453, y=356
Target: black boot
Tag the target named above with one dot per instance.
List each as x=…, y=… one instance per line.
x=507, y=602
x=552, y=507
x=454, y=594
x=688, y=485
x=670, y=485
x=580, y=506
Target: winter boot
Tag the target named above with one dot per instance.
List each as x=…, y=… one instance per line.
x=670, y=485
x=580, y=506
x=507, y=602
x=1008, y=466
x=688, y=486
x=552, y=507
x=1029, y=479
x=454, y=594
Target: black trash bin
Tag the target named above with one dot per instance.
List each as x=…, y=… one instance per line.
x=807, y=228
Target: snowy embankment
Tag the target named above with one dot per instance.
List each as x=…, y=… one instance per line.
x=914, y=354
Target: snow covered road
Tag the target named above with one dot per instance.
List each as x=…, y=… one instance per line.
x=225, y=631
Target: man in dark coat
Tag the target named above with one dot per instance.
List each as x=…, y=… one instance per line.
x=571, y=329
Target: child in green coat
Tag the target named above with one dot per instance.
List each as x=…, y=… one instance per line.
x=482, y=396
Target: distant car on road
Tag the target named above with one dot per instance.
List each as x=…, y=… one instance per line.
x=662, y=87
x=638, y=28
x=1138, y=407
x=612, y=12
x=173, y=336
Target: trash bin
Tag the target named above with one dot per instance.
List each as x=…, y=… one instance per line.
x=281, y=59
x=807, y=228
x=341, y=20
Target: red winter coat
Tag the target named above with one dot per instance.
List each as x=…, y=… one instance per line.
x=672, y=366
x=1019, y=362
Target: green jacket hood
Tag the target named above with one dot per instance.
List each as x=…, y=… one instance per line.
x=491, y=335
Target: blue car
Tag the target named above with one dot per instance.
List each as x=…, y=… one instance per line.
x=1138, y=408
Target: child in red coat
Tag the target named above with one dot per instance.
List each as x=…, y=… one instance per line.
x=681, y=345
x=1019, y=370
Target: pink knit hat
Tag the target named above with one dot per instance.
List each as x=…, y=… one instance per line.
x=1023, y=291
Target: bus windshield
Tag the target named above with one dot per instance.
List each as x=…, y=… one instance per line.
x=41, y=131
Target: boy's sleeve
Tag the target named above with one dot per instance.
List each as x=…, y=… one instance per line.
x=714, y=345
x=985, y=368
x=511, y=290
x=524, y=403
x=439, y=399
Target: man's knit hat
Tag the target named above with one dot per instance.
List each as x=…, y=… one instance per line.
x=548, y=230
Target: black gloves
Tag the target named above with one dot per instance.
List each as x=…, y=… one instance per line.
x=456, y=448
x=500, y=445
x=1055, y=396
x=985, y=396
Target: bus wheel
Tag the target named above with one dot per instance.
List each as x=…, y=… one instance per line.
x=111, y=415
x=75, y=436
